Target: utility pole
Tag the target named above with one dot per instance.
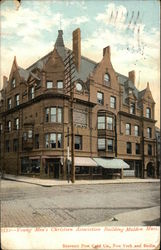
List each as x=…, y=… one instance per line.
x=69, y=88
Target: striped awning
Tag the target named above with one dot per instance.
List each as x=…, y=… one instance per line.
x=111, y=164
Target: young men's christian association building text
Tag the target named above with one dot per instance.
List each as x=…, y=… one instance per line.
x=114, y=122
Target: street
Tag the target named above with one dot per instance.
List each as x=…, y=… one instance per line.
x=28, y=205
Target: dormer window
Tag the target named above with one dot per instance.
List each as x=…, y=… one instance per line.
x=79, y=86
x=31, y=93
x=132, y=108
x=13, y=83
x=148, y=112
x=106, y=79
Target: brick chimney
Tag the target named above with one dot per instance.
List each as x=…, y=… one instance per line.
x=108, y=51
x=132, y=76
x=77, y=48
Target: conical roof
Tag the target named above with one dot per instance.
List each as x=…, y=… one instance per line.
x=59, y=41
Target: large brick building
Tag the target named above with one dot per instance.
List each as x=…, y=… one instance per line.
x=112, y=119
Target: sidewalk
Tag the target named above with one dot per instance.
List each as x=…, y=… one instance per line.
x=54, y=182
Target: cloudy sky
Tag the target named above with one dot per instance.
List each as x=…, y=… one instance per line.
x=131, y=28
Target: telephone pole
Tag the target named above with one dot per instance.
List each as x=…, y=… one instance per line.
x=69, y=88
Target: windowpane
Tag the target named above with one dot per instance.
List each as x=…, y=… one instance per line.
x=113, y=102
x=17, y=100
x=9, y=103
x=59, y=84
x=53, y=140
x=148, y=112
x=137, y=148
x=136, y=130
x=59, y=115
x=109, y=123
x=15, y=145
x=128, y=147
x=78, y=142
x=37, y=141
x=30, y=134
x=149, y=149
x=132, y=108
x=13, y=83
x=149, y=132
x=100, y=98
x=101, y=122
x=53, y=114
x=7, y=146
x=101, y=144
x=47, y=140
x=47, y=114
x=59, y=140
x=128, y=129
x=110, y=145
x=9, y=126
x=16, y=123
x=49, y=84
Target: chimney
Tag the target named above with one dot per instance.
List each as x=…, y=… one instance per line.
x=77, y=48
x=132, y=76
x=108, y=51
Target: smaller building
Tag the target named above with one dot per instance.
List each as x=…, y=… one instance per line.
x=157, y=134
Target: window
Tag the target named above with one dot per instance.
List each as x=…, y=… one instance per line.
x=80, y=117
x=136, y=130
x=53, y=140
x=17, y=100
x=37, y=141
x=101, y=144
x=148, y=112
x=53, y=114
x=128, y=129
x=60, y=84
x=13, y=83
x=1, y=128
x=49, y=84
x=113, y=102
x=149, y=149
x=59, y=140
x=109, y=123
x=106, y=79
x=15, y=145
x=79, y=86
x=9, y=126
x=137, y=148
x=25, y=136
x=128, y=148
x=101, y=122
x=7, y=146
x=110, y=145
x=30, y=134
x=78, y=142
x=149, y=132
x=9, y=103
x=16, y=125
x=100, y=99
x=31, y=93
x=132, y=108
x=82, y=170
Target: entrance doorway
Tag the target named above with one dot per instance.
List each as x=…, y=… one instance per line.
x=150, y=170
x=53, y=166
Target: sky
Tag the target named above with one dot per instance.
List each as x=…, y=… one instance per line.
x=131, y=28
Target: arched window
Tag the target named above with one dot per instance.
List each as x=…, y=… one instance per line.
x=79, y=86
x=106, y=79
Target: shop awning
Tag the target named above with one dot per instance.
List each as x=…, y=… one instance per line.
x=111, y=164
x=84, y=161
